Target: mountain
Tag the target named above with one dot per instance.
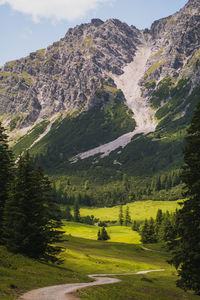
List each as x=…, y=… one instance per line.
x=107, y=100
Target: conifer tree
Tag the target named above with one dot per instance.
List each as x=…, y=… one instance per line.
x=6, y=174
x=145, y=232
x=31, y=218
x=103, y=235
x=186, y=254
x=99, y=238
x=159, y=218
x=121, y=216
x=127, y=217
x=151, y=231
x=166, y=230
x=135, y=226
x=76, y=211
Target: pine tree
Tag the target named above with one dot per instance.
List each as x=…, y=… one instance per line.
x=6, y=170
x=186, y=254
x=99, y=238
x=104, y=234
x=166, y=230
x=31, y=218
x=158, y=222
x=76, y=211
x=135, y=226
x=121, y=216
x=127, y=217
x=145, y=232
x=151, y=231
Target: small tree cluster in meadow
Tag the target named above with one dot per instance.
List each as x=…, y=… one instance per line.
x=102, y=235
x=76, y=217
x=124, y=219
x=161, y=229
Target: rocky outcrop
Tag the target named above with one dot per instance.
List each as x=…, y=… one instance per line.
x=68, y=74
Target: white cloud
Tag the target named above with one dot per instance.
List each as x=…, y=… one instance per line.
x=54, y=9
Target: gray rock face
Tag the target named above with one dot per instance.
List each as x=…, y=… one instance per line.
x=176, y=38
x=66, y=75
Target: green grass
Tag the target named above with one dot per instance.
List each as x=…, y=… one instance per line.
x=153, y=286
x=139, y=210
x=19, y=274
x=89, y=257
x=119, y=234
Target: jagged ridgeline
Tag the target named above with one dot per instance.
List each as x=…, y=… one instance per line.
x=107, y=100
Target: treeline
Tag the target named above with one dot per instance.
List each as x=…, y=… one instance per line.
x=161, y=229
x=121, y=192
x=29, y=216
x=165, y=181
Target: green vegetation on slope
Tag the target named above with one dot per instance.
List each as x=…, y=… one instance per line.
x=88, y=130
x=19, y=274
x=26, y=141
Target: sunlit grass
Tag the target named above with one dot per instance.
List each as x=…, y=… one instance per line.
x=139, y=211
x=120, y=234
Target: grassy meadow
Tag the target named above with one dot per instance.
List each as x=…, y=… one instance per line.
x=139, y=210
x=83, y=254
x=120, y=234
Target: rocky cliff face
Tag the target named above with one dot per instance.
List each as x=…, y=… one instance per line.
x=66, y=75
x=177, y=39
x=71, y=75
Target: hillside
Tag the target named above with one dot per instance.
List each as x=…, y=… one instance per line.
x=106, y=101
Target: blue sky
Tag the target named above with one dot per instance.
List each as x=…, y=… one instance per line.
x=28, y=25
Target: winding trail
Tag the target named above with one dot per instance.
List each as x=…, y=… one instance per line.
x=129, y=83
x=67, y=291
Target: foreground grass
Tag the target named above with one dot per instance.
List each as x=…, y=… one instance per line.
x=153, y=286
x=83, y=256
x=89, y=257
x=119, y=234
x=19, y=274
x=139, y=211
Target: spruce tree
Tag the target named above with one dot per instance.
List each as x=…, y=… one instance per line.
x=121, y=216
x=6, y=174
x=127, y=217
x=158, y=222
x=76, y=211
x=186, y=254
x=31, y=218
x=151, y=231
x=145, y=232
x=99, y=238
x=103, y=235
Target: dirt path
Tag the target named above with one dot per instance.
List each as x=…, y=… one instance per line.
x=68, y=291
x=129, y=83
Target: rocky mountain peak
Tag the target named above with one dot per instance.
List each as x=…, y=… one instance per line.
x=97, y=22
x=193, y=4
x=68, y=75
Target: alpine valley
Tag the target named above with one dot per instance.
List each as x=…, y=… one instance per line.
x=105, y=110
